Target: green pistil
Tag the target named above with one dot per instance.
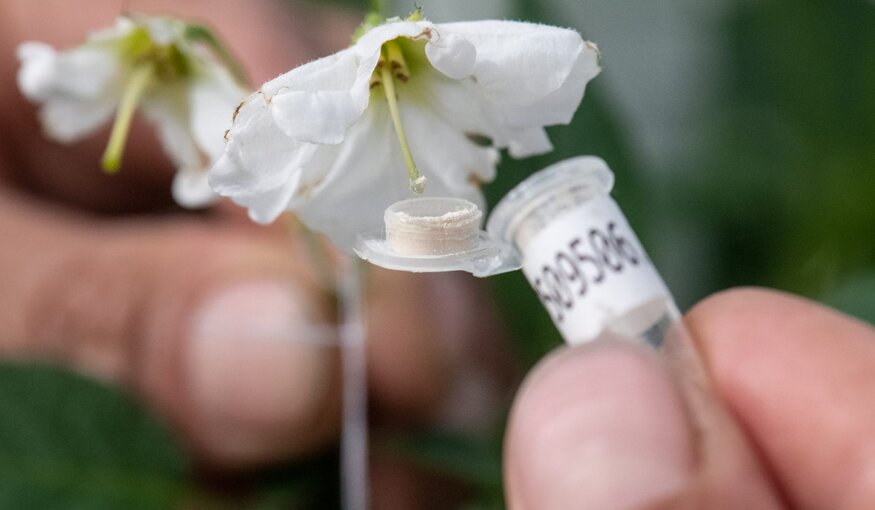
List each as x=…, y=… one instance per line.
x=141, y=77
x=416, y=15
x=393, y=66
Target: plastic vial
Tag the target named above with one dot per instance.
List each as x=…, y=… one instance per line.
x=581, y=257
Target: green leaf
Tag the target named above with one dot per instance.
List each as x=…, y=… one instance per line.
x=473, y=460
x=313, y=484
x=782, y=183
x=67, y=442
x=466, y=458
x=856, y=296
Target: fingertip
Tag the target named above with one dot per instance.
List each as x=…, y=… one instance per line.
x=261, y=374
x=598, y=426
x=230, y=341
x=797, y=375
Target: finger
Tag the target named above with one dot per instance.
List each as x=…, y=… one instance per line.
x=598, y=426
x=612, y=425
x=434, y=350
x=800, y=379
x=211, y=324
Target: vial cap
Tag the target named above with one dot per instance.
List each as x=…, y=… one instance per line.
x=582, y=172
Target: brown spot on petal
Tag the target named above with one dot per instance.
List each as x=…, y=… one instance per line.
x=237, y=111
x=305, y=189
x=480, y=140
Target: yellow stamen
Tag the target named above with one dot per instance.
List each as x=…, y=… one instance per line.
x=396, y=61
x=417, y=180
x=141, y=78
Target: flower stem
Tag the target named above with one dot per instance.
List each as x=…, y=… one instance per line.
x=355, y=493
x=417, y=180
x=141, y=78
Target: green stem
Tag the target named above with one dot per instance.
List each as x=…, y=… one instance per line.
x=417, y=180
x=141, y=78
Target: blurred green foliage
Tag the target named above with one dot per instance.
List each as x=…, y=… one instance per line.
x=785, y=183
x=67, y=442
x=70, y=442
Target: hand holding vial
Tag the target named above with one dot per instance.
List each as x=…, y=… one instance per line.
x=615, y=425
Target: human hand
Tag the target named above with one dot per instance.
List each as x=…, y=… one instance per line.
x=204, y=315
x=784, y=418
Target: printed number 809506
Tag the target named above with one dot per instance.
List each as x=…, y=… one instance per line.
x=582, y=264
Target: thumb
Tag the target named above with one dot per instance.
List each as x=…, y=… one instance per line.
x=212, y=325
x=598, y=426
x=615, y=425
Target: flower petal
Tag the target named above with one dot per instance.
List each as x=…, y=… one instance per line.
x=36, y=78
x=264, y=207
x=529, y=142
x=517, y=62
x=318, y=102
x=360, y=182
x=68, y=120
x=461, y=104
x=450, y=160
x=78, y=88
x=452, y=55
x=87, y=72
x=191, y=190
x=212, y=99
x=259, y=157
x=506, y=101
x=168, y=112
x=368, y=172
x=558, y=107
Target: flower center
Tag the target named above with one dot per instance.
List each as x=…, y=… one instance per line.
x=152, y=62
x=140, y=79
x=392, y=66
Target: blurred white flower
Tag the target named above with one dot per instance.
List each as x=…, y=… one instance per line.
x=339, y=139
x=175, y=73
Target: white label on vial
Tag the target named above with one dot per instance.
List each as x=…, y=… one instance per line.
x=592, y=274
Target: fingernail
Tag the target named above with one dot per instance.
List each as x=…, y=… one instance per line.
x=599, y=427
x=255, y=371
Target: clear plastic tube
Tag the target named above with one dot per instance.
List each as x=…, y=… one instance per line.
x=581, y=256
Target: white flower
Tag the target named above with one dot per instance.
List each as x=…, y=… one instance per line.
x=321, y=139
x=168, y=69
